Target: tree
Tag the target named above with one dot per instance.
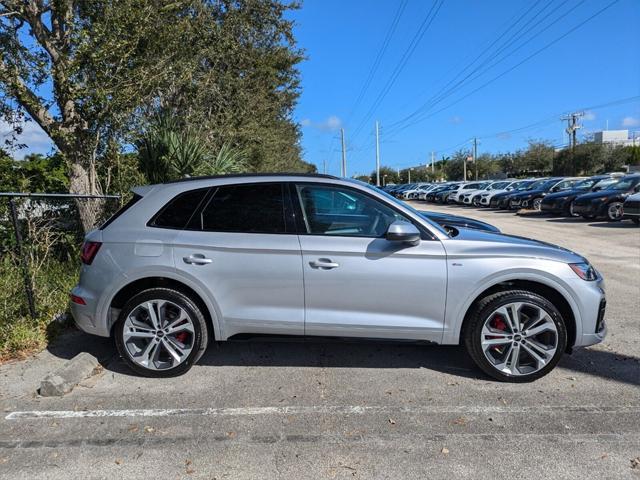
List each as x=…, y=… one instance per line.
x=91, y=73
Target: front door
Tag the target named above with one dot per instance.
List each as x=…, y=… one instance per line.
x=358, y=284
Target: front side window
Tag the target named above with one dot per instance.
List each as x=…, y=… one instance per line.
x=329, y=210
x=251, y=208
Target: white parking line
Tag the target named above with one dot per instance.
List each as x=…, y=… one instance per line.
x=305, y=410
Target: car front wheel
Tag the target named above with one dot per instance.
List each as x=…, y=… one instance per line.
x=161, y=332
x=515, y=336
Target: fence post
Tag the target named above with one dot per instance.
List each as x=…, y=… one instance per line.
x=23, y=259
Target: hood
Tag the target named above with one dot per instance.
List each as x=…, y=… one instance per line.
x=566, y=193
x=600, y=194
x=458, y=221
x=526, y=193
x=474, y=243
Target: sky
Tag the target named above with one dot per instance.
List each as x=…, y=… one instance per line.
x=452, y=70
x=477, y=68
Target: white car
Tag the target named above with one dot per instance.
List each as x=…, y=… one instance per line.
x=473, y=198
x=485, y=198
x=412, y=193
x=467, y=187
x=466, y=197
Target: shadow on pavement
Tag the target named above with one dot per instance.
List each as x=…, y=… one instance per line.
x=336, y=354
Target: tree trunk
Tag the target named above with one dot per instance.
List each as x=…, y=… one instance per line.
x=83, y=181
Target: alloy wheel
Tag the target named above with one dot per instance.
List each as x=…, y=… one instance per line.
x=537, y=203
x=614, y=211
x=519, y=338
x=158, y=335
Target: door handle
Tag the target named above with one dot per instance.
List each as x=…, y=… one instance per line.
x=197, y=259
x=324, y=264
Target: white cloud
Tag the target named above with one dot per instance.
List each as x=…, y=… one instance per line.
x=589, y=116
x=630, y=122
x=456, y=120
x=32, y=136
x=330, y=123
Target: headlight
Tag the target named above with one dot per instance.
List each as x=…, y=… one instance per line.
x=584, y=271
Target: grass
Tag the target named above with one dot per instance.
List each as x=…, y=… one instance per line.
x=21, y=335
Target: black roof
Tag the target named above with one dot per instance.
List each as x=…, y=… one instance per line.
x=250, y=175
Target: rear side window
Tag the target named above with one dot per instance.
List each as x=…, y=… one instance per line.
x=254, y=208
x=123, y=209
x=178, y=212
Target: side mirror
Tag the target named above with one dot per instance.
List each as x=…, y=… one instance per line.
x=403, y=232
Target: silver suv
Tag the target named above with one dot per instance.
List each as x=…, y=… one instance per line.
x=206, y=259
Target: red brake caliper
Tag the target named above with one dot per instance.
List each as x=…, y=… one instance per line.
x=182, y=337
x=499, y=324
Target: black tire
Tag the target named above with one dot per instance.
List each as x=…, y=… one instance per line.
x=472, y=330
x=200, y=337
x=570, y=210
x=588, y=217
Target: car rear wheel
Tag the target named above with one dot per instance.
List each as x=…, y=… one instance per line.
x=161, y=333
x=571, y=211
x=515, y=336
x=614, y=211
x=536, y=204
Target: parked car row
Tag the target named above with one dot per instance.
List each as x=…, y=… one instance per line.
x=612, y=196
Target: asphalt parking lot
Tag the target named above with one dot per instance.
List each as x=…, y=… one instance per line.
x=336, y=410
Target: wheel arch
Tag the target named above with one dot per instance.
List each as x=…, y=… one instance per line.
x=544, y=290
x=144, y=283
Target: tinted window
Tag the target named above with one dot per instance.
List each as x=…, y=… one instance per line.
x=177, y=212
x=254, y=208
x=344, y=212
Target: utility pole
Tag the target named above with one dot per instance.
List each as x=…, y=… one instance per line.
x=433, y=163
x=410, y=174
x=343, y=170
x=324, y=167
x=475, y=155
x=464, y=169
x=377, y=155
x=572, y=130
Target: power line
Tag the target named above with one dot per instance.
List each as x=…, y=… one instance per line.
x=487, y=64
x=413, y=44
x=378, y=59
x=510, y=69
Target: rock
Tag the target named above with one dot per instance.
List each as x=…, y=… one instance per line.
x=63, y=380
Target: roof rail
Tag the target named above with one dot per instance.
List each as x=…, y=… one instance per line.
x=249, y=175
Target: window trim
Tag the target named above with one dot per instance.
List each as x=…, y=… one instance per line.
x=425, y=234
x=152, y=220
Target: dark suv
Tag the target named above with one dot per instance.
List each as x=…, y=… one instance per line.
x=561, y=203
x=607, y=203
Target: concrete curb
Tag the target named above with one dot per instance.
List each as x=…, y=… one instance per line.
x=63, y=380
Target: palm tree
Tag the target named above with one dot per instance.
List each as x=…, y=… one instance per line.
x=168, y=151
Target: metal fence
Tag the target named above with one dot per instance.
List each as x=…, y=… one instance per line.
x=26, y=215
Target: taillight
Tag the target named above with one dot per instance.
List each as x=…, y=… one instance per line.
x=89, y=251
x=77, y=299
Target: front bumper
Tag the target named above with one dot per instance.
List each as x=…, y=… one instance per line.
x=595, y=209
x=556, y=206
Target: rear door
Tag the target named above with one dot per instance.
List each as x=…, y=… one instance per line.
x=241, y=245
x=358, y=284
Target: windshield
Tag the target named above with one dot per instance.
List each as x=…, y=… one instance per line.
x=400, y=203
x=585, y=184
x=523, y=185
x=626, y=184
x=498, y=185
x=606, y=183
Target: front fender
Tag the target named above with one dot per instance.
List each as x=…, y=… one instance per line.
x=469, y=288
